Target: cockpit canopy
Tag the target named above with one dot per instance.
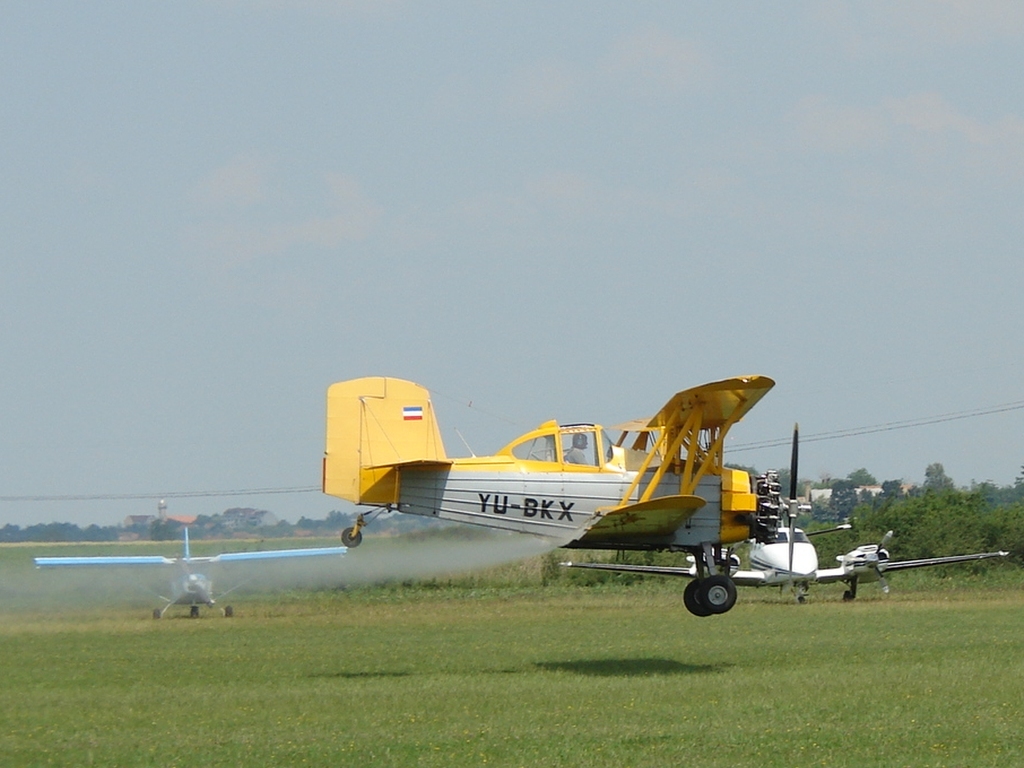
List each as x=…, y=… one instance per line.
x=573, y=444
x=799, y=537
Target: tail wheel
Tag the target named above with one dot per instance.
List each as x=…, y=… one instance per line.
x=351, y=537
x=691, y=599
x=717, y=593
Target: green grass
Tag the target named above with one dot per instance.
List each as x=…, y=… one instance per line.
x=497, y=669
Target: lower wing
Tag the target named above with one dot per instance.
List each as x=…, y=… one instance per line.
x=740, y=578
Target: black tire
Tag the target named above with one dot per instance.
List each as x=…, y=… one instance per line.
x=691, y=599
x=717, y=593
x=847, y=596
x=351, y=538
x=193, y=612
x=228, y=611
x=156, y=613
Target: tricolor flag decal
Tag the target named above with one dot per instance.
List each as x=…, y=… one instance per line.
x=412, y=413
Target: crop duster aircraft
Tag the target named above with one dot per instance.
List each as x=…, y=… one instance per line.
x=188, y=586
x=662, y=485
x=791, y=560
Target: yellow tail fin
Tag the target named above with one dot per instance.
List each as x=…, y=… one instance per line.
x=374, y=425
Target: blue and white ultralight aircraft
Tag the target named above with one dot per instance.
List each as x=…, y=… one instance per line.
x=189, y=586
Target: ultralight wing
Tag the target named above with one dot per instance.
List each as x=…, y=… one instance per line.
x=48, y=562
x=274, y=554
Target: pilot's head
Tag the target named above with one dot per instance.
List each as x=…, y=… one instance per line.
x=579, y=441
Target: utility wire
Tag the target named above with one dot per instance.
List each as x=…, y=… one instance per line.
x=890, y=426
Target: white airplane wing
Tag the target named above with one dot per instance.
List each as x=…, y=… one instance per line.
x=829, y=575
x=740, y=578
x=901, y=565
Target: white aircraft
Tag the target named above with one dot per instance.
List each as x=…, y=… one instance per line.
x=188, y=587
x=792, y=561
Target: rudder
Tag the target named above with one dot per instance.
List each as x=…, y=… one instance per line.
x=375, y=424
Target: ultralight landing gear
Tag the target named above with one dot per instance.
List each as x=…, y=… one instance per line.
x=193, y=612
x=228, y=611
x=353, y=537
x=157, y=613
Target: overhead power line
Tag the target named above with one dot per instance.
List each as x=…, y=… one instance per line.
x=890, y=426
x=166, y=495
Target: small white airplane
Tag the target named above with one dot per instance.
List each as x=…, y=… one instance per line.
x=792, y=561
x=189, y=587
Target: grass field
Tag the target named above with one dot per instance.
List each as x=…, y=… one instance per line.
x=503, y=671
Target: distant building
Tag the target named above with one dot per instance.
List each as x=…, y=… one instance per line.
x=138, y=521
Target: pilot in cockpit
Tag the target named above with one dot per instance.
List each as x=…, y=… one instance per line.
x=578, y=453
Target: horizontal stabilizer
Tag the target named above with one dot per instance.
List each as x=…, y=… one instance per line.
x=646, y=520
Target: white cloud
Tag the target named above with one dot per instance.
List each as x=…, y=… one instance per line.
x=909, y=25
x=654, y=57
x=922, y=122
x=265, y=224
x=541, y=88
x=238, y=184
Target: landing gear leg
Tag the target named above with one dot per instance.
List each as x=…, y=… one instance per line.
x=851, y=593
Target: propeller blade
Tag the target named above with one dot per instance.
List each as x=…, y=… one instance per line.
x=793, y=461
x=884, y=543
x=881, y=580
x=792, y=493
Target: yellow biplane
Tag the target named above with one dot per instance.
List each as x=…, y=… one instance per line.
x=661, y=485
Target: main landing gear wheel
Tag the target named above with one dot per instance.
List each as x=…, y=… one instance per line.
x=228, y=611
x=351, y=538
x=717, y=593
x=692, y=601
x=156, y=613
x=193, y=612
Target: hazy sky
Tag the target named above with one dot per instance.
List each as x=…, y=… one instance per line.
x=213, y=210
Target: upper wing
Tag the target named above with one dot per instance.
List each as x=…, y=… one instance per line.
x=273, y=554
x=47, y=562
x=901, y=565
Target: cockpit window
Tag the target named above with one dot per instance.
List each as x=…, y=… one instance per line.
x=799, y=537
x=538, y=449
x=580, y=448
